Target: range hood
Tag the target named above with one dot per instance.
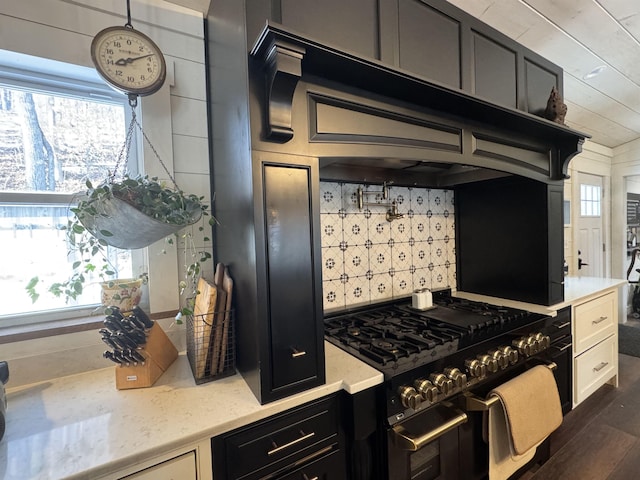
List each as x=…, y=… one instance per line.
x=416, y=131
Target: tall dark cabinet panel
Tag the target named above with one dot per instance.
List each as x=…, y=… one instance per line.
x=295, y=292
x=509, y=239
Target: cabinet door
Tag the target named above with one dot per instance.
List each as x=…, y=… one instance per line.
x=429, y=42
x=294, y=317
x=594, y=367
x=350, y=26
x=494, y=70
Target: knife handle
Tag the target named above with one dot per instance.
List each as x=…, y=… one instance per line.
x=113, y=310
x=109, y=356
x=142, y=316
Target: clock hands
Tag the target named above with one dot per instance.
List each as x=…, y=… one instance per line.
x=126, y=61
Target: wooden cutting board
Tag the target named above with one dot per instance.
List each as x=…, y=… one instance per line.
x=218, y=322
x=227, y=287
x=203, y=317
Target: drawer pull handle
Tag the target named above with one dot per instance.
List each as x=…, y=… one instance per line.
x=307, y=478
x=564, y=347
x=290, y=444
x=562, y=325
x=297, y=353
x=600, y=367
x=601, y=319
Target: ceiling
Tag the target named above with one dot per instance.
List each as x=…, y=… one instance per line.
x=580, y=36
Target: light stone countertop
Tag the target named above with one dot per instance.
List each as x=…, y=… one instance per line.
x=576, y=289
x=80, y=426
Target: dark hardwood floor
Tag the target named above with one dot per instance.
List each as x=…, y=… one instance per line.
x=600, y=438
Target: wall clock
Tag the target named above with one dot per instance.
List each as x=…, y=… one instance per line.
x=128, y=60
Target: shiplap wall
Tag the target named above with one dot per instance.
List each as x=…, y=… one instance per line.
x=174, y=119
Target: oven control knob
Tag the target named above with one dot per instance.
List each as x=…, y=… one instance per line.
x=445, y=386
x=491, y=363
x=510, y=354
x=410, y=398
x=499, y=356
x=458, y=378
x=543, y=340
x=476, y=369
x=534, y=343
x=523, y=346
x=427, y=389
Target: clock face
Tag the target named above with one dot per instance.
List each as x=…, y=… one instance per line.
x=128, y=60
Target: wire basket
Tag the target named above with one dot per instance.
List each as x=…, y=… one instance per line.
x=211, y=345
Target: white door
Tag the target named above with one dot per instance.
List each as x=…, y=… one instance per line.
x=590, y=254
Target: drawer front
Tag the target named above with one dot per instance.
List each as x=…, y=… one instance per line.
x=594, y=321
x=594, y=367
x=282, y=441
x=179, y=468
x=329, y=467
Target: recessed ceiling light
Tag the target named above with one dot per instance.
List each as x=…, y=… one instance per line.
x=595, y=72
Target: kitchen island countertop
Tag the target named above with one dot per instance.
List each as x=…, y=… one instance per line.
x=80, y=426
x=576, y=289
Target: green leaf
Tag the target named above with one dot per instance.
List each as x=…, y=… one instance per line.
x=106, y=233
x=32, y=283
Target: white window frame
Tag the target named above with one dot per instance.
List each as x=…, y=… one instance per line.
x=42, y=75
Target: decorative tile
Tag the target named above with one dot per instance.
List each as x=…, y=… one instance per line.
x=332, y=263
x=439, y=252
x=366, y=258
x=356, y=260
x=421, y=254
x=437, y=201
x=381, y=287
x=380, y=258
x=333, y=294
x=419, y=200
x=402, y=197
x=350, y=198
x=421, y=278
x=400, y=230
x=330, y=229
x=355, y=228
x=379, y=229
x=401, y=256
x=439, y=277
x=402, y=283
x=357, y=290
x=330, y=197
x=420, y=227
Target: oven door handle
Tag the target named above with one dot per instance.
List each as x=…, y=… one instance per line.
x=407, y=441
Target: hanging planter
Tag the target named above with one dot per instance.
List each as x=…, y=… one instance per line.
x=150, y=212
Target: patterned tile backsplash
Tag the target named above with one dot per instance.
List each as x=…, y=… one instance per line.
x=368, y=259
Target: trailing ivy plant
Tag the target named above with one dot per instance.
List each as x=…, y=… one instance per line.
x=155, y=200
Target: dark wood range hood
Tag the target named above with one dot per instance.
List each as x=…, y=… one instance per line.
x=320, y=113
x=427, y=132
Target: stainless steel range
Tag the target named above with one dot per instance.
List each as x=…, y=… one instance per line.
x=433, y=362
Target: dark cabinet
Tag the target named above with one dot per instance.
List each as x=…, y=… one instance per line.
x=306, y=440
x=509, y=237
x=429, y=42
x=295, y=347
x=430, y=38
x=351, y=25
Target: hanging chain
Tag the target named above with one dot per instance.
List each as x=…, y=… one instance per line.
x=126, y=147
x=128, y=24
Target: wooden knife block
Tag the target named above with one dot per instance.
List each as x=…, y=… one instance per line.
x=159, y=353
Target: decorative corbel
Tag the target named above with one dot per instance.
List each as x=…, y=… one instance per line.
x=563, y=154
x=284, y=69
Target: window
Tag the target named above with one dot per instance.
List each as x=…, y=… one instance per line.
x=59, y=126
x=590, y=196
